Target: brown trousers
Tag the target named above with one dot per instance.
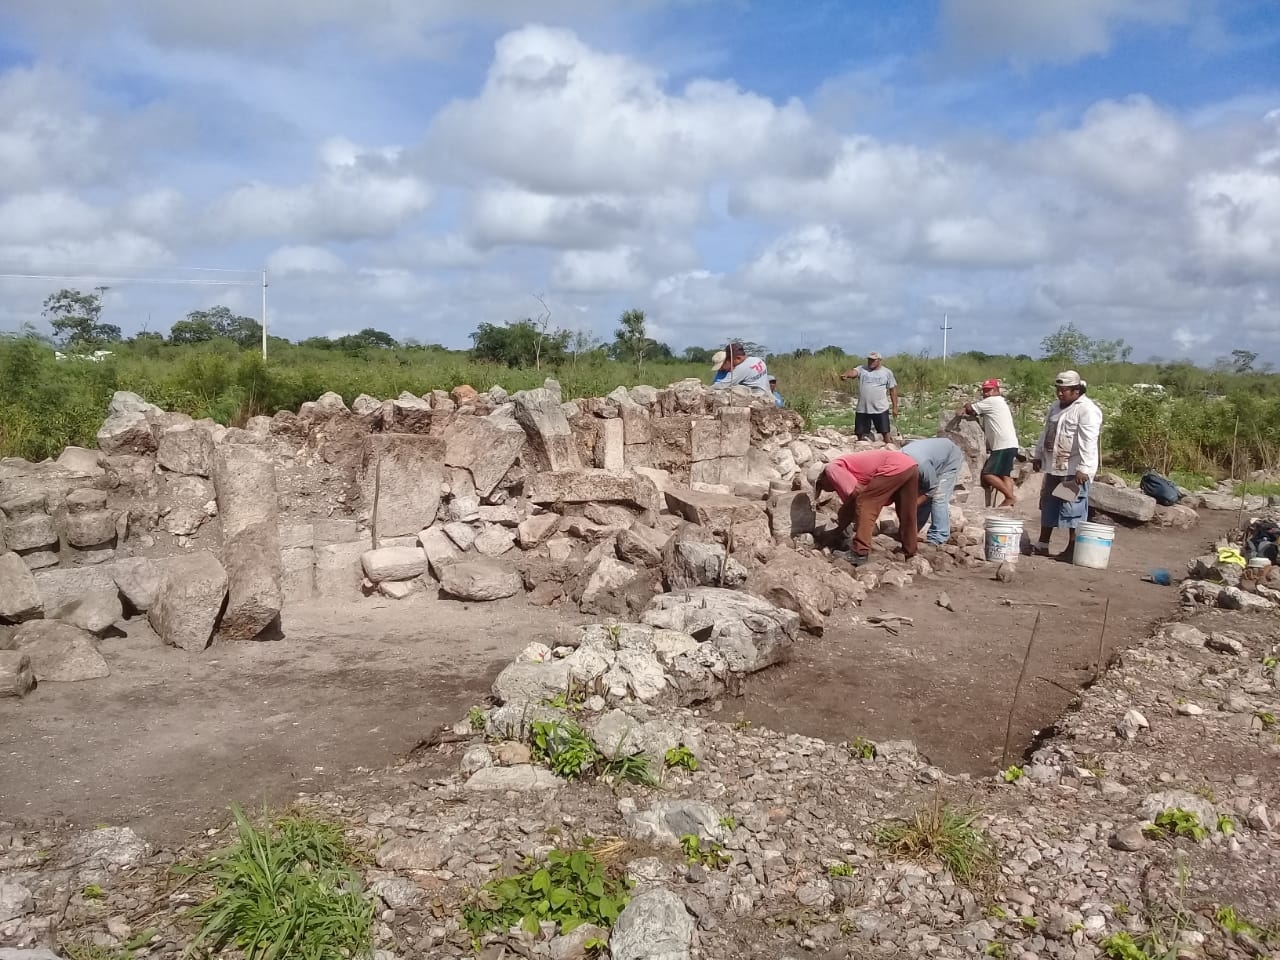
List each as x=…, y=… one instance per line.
x=903, y=489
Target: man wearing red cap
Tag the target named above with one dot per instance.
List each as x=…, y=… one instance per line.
x=993, y=413
x=866, y=483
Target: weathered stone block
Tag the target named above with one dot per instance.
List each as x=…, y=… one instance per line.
x=636, y=424
x=19, y=598
x=139, y=580
x=245, y=480
x=791, y=514
x=90, y=529
x=60, y=652
x=193, y=588
x=394, y=563
x=479, y=580
x=486, y=447
x=716, y=511
x=551, y=442
x=338, y=571
x=32, y=532
x=407, y=473
x=16, y=676
x=1125, y=503
x=586, y=486
x=187, y=449
x=610, y=447
x=298, y=583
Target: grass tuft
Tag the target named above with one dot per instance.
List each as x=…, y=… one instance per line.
x=285, y=890
x=944, y=833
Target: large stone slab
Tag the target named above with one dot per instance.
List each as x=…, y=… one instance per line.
x=19, y=597
x=245, y=480
x=59, y=652
x=791, y=514
x=394, y=563
x=95, y=612
x=479, y=580
x=1122, y=502
x=187, y=449
x=750, y=633
x=406, y=471
x=487, y=447
x=191, y=595
x=551, y=442
x=691, y=562
x=592, y=486
x=718, y=512
x=655, y=925
x=138, y=579
x=338, y=571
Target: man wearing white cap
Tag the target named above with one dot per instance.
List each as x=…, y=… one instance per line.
x=718, y=368
x=877, y=395
x=1068, y=452
x=993, y=413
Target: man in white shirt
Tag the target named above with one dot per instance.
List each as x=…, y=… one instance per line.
x=744, y=371
x=877, y=395
x=993, y=413
x=1068, y=451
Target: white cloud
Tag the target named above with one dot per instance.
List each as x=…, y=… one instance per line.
x=1131, y=147
x=589, y=220
x=1046, y=31
x=556, y=116
x=981, y=241
x=304, y=259
x=810, y=259
x=598, y=271
x=357, y=194
x=1236, y=215
x=45, y=136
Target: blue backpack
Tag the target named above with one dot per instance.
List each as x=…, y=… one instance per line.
x=1160, y=489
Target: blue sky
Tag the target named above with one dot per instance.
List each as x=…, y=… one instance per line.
x=799, y=174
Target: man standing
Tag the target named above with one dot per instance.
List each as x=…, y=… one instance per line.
x=993, y=413
x=866, y=483
x=1068, y=452
x=939, y=461
x=744, y=371
x=877, y=395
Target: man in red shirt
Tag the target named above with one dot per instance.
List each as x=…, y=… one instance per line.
x=866, y=483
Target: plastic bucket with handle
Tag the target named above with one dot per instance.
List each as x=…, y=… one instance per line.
x=1003, y=540
x=1093, y=545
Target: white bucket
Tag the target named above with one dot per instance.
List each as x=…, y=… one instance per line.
x=1093, y=545
x=1003, y=540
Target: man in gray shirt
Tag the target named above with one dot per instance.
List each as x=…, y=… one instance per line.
x=744, y=371
x=877, y=394
x=939, y=461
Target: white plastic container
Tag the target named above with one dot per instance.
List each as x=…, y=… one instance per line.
x=1093, y=545
x=1003, y=539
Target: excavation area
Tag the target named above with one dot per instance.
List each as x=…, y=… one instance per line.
x=166, y=741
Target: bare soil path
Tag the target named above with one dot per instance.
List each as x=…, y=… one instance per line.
x=170, y=738
x=947, y=681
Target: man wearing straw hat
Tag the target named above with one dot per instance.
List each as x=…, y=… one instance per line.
x=1068, y=452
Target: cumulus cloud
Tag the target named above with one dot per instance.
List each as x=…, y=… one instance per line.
x=357, y=193
x=556, y=116
x=1046, y=31
x=590, y=220
x=304, y=259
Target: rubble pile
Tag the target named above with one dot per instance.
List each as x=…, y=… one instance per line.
x=1143, y=826
x=605, y=503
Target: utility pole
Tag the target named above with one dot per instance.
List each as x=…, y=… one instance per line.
x=264, y=316
x=944, y=328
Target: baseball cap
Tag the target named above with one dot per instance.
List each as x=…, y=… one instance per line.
x=717, y=360
x=873, y=356
x=1068, y=378
x=990, y=384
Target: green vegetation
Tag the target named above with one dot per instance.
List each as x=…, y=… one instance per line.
x=476, y=718
x=567, y=750
x=941, y=832
x=729, y=823
x=573, y=888
x=1012, y=774
x=285, y=890
x=92, y=891
x=840, y=869
x=1207, y=423
x=711, y=855
x=862, y=749
x=1177, y=822
x=682, y=756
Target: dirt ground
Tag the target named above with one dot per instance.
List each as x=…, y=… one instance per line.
x=171, y=738
x=947, y=680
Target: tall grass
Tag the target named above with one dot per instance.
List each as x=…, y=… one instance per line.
x=47, y=404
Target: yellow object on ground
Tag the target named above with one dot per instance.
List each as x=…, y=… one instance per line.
x=1230, y=555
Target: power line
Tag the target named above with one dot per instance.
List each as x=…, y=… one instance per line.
x=79, y=276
